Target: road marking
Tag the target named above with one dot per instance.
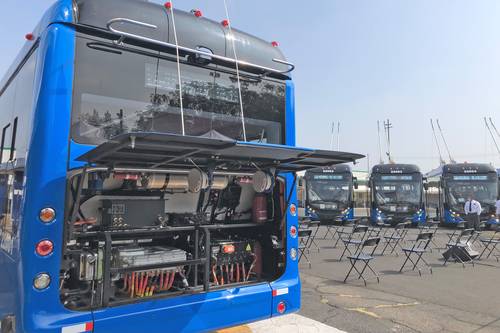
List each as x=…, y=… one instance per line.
x=239, y=329
x=366, y=311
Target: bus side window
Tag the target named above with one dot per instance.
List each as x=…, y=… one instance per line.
x=7, y=230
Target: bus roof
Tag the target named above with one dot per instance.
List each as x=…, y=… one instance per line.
x=193, y=32
x=395, y=168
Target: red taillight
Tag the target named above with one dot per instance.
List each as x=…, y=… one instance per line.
x=197, y=12
x=275, y=44
x=293, y=210
x=44, y=248
x=281, y=307
x=293, y=231
x=168, y=5
x=29, y=37
x=225, y=23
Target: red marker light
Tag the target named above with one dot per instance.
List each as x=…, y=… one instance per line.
x=29, y=37
x=225, y=23
x=293, y=231
x=275, y=44
x=281, y=307
x=168, y=5
x=44, y=248
x=197, y=12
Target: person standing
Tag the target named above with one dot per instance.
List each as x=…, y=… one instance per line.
x=497, y=205
x=472, y=213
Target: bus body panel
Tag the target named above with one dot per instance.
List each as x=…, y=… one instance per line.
x=51, y=155
x=46, y=185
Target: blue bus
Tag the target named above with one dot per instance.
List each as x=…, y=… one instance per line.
x=397, y=194
x=330, y=194
x=456, y=182
x=136, y=194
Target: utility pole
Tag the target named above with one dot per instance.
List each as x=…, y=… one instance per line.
x=332, y=135
x=387, y=127
x=338, y=136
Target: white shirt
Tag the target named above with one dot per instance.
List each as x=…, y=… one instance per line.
x=472, y=207
x=497, y=205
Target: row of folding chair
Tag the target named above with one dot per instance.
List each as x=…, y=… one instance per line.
x=414, y=256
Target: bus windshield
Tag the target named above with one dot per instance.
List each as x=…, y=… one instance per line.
x=483, y=188
x=401, y=189
x=118, y=91
x=328, y=188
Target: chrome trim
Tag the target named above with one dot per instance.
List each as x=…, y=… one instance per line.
x=124, y=35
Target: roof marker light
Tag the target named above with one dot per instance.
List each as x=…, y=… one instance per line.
x=29, y=37
x=168, y=5
x=275, y=44
x=225, y=23
x=197, y=12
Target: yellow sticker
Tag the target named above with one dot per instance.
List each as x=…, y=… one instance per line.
x=249, y=248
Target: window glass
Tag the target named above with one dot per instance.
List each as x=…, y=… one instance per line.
x=129, y=92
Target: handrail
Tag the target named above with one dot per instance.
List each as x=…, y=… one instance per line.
x=124, y=34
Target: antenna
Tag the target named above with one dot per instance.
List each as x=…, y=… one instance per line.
x=491, y=133
x=232, y=38
x=387, y=127
x=332, y=135
x=445, y=143
x=441, y=160
x=171, y=9
x=379, y=143
x=494, y=127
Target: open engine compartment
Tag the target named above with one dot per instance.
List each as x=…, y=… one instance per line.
x=141, y=235
x=154, y=215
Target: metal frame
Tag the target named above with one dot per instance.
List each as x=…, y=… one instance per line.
x=124, y=34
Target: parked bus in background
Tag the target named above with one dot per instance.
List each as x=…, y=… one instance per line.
x=329, y=194
x=148, y=177
x=397, y=194
x=456, y=182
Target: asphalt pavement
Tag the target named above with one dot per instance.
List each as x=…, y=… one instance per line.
x=451, y=299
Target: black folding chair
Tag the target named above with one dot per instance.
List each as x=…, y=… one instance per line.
x=355, y=238
x=394, y=239
x=304, y=236
x=458, y=248
x=314, y=225
x=360, y=255
x=490, y=246
x=417, y=251
x=344, y=229
x=451, y=235
x=431, y=226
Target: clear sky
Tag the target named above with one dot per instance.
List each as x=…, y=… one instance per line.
x=363, y=60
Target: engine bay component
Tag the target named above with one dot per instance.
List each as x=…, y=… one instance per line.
x=134, y=212
x=124, y=257
x=235, y=261
x=197, y=180
x=262, y=182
